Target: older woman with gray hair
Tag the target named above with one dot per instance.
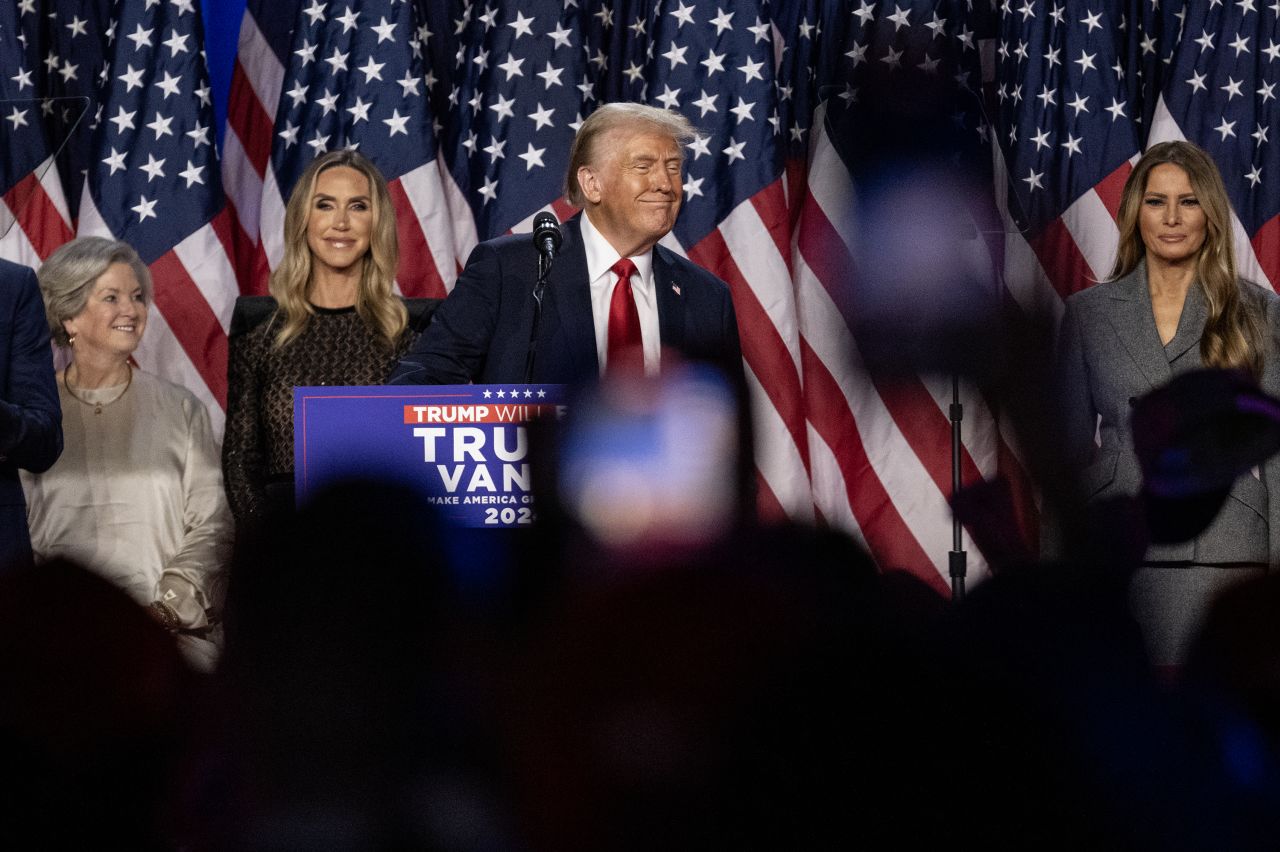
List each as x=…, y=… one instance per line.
x=137, y=494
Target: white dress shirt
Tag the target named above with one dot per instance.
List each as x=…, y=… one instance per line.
x=601, y=256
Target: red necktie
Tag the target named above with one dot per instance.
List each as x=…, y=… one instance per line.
x=624, y=341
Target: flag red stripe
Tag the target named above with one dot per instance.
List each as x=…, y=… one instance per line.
x=192, y=321
x=417, y=274
x=250, y=120
x=1109, y=190
x=762, y=345
x=890, y=540
x=1023, y=493
x=248, y=256
x=1061, y=259
x=1021, y=485
x=768, y=507
x=37, y=215
x=243, y=247
x=563, y=209
x=1266, y=245
x=259, y=278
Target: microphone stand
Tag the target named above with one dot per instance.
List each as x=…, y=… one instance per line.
x=957, y=558
x=539, y=288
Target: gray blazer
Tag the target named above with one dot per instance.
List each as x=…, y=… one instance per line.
x=1111, y=355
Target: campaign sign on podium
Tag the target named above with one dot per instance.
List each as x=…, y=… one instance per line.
x=464, y=446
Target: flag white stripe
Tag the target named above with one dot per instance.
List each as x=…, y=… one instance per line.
x=828, y=191
x=91, y=222
x=463, y=228
x=51, y=182
x=271, y=232
x=978, y=432
x=15, y=245
x=207, y=264
x=241, y=183
x=1094, y=232
x=830, y=492
x=262, y=70
x=423, y=188
x=765, y=271
x=1024, y=276
x=162, y=354
x=777, y=458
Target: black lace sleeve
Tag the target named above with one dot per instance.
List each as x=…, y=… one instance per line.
x=244, y=464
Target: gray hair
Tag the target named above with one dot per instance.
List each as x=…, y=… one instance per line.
x=68, y=276
x=610, y=117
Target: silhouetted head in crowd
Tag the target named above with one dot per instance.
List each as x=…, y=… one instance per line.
x=95, y=716
x=756, y=697
x=1194, y=437
x=1238, y=650
x=334, y=623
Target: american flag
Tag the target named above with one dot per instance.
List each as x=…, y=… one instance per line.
x=1221, y=93
x=1083, y=88
x=143, y=162
x=469, y=108
x=34, y=218
x=1068, y=130
x=338, y=75
x=901, y=97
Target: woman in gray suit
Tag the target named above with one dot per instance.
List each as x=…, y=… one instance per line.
x=1174, y=303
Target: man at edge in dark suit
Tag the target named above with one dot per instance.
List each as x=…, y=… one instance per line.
x=30, y=415
x=612, y=293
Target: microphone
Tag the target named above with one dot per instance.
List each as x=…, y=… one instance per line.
x=546, y=234
x=547, y=238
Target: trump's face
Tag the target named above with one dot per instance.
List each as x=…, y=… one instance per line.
x=633, y=187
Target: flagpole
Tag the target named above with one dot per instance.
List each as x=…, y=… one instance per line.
x=957, y=558
x=539, y=288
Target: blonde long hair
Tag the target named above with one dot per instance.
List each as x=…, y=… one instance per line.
x=1233, y=330
x=376, y=302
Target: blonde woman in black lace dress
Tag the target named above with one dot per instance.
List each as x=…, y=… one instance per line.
x=337, y=321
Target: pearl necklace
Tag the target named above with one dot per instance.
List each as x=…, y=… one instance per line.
x=97, y=406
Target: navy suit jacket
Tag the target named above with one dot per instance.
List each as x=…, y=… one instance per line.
x=480, y=333
x=30, y=415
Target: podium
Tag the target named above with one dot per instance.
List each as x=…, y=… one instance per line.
x=464, y=447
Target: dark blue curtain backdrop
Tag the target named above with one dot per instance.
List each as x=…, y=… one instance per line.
x=221, y=30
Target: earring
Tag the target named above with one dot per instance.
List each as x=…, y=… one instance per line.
x=71, y=340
